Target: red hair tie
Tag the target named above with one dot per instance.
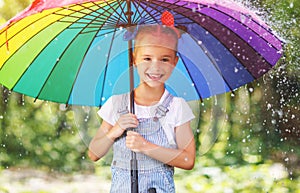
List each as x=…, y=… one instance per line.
x=167, y=19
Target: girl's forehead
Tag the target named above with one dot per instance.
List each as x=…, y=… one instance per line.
x=162, y=40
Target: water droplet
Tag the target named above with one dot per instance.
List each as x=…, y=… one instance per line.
x=243, y=18
x=236, y=69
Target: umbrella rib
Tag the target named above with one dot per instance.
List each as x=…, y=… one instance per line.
x=81, y=65
x=250, y=18
x=115, y=18
x=136, y=5
x=55, y=66
x=260, y=56
x=214, y=63
x=106, y=66
x=104, y=34
x=55, y=13
x=198, y=92
x=26, y=27
x=139, y=13
x=211, y=58
x=115, y=11
x=151, y=16
x=40, y=31
x=221, y=23
x=29, y=38
x=76, y=17
x=99, y=19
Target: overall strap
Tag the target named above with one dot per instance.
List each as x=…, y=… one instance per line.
x=162, y=109
x=124, y=105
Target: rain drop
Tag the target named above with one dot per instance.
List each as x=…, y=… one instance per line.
x=243, y=18
x=236, y=69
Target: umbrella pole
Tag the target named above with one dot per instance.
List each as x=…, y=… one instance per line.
x=133, y=161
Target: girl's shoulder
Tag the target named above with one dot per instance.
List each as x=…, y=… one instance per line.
x=178, y=102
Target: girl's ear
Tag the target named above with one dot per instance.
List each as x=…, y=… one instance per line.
x=176, y=60
x=133, y=59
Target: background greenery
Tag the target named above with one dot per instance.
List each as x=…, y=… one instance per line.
x=247, y=141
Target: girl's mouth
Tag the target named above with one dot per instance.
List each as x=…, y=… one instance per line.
x=154, y=77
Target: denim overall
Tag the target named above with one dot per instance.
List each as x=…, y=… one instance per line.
x=151, y=173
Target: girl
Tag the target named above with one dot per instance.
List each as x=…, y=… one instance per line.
x=162, y=137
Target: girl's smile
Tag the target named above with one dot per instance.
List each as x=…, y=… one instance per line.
x=155, y=58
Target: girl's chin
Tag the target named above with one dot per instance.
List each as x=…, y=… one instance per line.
x=154, y=84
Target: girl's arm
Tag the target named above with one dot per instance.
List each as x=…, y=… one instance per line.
x=107, y=134
x=182, y=157
x=101, y=142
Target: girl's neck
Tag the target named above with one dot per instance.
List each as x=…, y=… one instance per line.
x=148, y=96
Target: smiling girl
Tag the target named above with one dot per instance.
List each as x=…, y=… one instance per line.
x=162, y=137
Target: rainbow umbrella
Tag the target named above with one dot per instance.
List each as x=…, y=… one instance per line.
x=73, y=51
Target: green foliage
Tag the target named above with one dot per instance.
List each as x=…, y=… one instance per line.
x=11, y=8
x=245, y=179
x=42, y=135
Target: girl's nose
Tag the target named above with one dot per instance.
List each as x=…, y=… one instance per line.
x=155, y=64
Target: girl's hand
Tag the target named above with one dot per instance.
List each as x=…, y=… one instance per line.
x=124, y=122
x=135, y=142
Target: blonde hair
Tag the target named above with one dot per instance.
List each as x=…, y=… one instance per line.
x=156, y=30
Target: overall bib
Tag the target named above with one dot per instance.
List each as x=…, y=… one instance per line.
x=151, y=173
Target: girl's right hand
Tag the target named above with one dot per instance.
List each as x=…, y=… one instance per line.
x=124, y=122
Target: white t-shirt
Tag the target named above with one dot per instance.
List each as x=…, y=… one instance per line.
x=178, y=114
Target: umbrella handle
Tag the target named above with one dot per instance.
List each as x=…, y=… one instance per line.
x=134, y=173
x=151, y=190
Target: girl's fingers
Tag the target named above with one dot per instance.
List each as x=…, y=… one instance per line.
x=127, y=121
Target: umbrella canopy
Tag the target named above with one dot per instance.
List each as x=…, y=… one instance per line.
x=73, y=51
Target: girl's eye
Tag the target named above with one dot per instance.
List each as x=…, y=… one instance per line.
x=147, y=59
x=165, y=60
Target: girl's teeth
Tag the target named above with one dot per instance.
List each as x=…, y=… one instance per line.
x=153, y=76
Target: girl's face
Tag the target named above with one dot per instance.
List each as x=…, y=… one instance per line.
x=155, y=58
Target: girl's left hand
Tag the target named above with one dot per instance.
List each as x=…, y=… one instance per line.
x=135, y=142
